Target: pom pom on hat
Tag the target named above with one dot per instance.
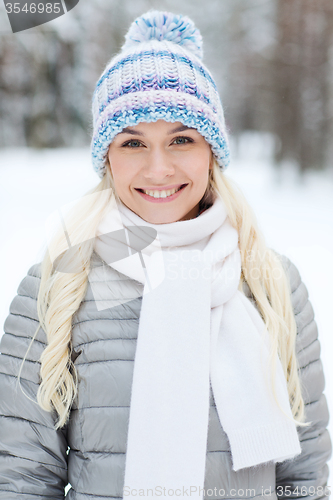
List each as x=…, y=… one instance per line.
x=156, y=25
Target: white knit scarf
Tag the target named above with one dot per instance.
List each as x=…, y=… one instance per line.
x=195, y=327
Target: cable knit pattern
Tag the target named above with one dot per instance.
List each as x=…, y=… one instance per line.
x=158, y=75
x=35, y=462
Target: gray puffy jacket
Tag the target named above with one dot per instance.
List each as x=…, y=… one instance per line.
x=37, y=462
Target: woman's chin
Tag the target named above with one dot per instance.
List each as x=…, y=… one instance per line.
x=161, y=217
x=162, y=213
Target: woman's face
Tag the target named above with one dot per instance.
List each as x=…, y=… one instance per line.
x=158, y=157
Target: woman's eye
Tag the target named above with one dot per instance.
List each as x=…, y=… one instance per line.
x=182, y=140
x=132, y=144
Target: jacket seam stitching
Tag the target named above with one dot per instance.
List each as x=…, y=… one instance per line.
x=37, y=462
x=104, y=319
x=103, y=361
x=28, y=338
x=27, y=420
x=103, y=340
x=15, y=376
x=301, y=351
x=31, y=494
x=18, y=357
x=112, y=406
x=315, y=437
x=23, y=316
x=310, y=363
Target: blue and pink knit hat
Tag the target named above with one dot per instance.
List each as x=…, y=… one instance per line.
x=158, y=74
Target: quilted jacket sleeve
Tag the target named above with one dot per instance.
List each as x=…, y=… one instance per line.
x=306, y=475
x=33, y=455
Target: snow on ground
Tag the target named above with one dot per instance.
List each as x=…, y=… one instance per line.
x=295, y=215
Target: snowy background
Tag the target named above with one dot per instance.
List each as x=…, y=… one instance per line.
x=295, y=214
x=273, y=64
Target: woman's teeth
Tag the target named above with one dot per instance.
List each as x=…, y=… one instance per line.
x=162, y=194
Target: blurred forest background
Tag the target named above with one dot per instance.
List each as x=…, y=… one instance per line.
x=273, y=63
x=272, y=60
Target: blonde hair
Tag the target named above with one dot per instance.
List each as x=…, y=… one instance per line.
x=61, y=293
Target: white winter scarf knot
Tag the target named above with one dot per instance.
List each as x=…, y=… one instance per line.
x=195, y=327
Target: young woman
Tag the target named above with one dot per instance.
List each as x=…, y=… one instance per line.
x=161, y=349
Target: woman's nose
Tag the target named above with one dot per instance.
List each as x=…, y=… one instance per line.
x=158, y=164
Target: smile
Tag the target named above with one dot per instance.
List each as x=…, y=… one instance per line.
x=161, y=196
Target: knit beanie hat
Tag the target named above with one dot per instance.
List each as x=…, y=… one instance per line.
x=158, y=74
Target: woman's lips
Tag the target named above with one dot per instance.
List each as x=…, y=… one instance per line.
x=162, y=200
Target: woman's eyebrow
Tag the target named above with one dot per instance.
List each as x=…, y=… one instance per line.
x=130, y=131
x=181, y=128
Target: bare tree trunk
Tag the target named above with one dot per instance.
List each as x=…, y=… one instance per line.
x=302, y=81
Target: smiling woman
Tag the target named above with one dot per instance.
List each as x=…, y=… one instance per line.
x=161, y=347
x=151, y=163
